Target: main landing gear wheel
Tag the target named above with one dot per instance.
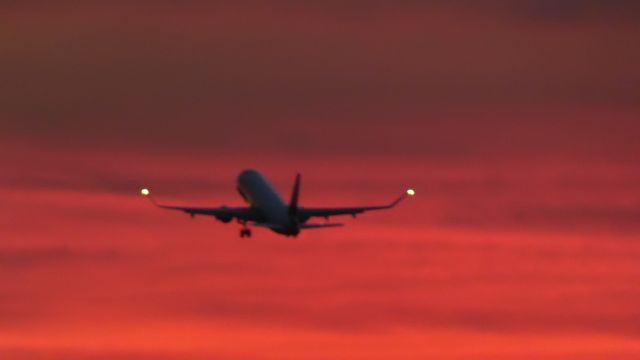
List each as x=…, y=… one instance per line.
x=245, y=232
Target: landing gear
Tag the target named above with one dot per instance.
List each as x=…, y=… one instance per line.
x=245, y=231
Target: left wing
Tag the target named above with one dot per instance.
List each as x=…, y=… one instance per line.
x=223, y=213
x=305, y=213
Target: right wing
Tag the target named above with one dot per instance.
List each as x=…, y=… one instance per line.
x=223, y=213
x=305, y=213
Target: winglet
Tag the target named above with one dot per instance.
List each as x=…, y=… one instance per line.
x=293, y=204
x=147, y=193
x=408, y=192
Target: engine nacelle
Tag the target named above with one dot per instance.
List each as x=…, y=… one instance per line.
x=224, y=218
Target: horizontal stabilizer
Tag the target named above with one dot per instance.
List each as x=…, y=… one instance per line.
x=302, y=226
x=317, y=226
x=266, y=225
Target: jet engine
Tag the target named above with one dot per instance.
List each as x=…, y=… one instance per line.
x=225, y=218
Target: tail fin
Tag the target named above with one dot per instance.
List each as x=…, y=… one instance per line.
x=293, y=204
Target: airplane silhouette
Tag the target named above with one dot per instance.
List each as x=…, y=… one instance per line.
x=267, y=209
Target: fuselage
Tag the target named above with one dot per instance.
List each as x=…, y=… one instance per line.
x=262, y=197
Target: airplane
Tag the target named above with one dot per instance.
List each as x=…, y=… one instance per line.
x=268, y=210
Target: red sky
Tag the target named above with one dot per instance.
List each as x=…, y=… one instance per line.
x=516, y=123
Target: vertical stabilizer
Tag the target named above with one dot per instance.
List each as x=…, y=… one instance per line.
x=293, y=204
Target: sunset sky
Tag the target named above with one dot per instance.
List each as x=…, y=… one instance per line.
x=517, y=122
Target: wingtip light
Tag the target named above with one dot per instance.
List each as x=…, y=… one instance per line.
x=411, y=192
x=145, y=192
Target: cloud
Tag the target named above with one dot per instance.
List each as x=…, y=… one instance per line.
x=614, y=217
x=28, y=353
x=50, y=256
x=516, y=123
x=302, y=79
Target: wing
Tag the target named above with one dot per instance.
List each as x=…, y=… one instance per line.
x=223, y=213
x=305, y=213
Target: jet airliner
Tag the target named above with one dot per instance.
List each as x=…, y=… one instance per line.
x=268, y=210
